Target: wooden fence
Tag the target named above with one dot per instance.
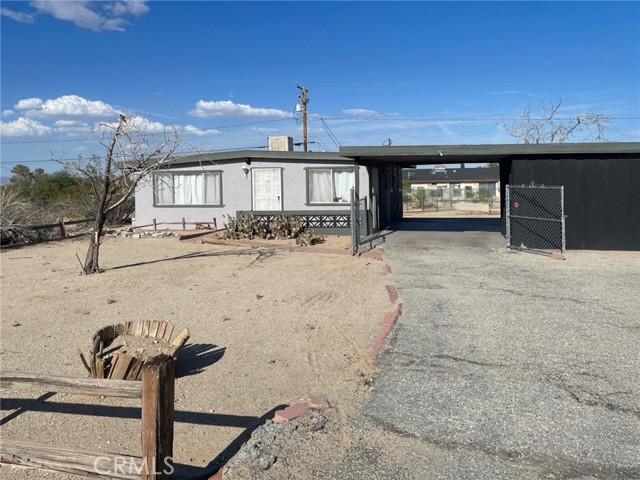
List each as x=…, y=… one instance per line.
x=156, y=390
x=61, y=225
x=184, y=224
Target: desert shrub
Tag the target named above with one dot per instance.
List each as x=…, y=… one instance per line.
x=17, y=214
x=281, y=227
x=308, y=238
x=39, y=198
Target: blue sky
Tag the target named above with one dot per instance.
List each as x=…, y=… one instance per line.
x=225, y=73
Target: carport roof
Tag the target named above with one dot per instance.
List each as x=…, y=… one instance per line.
x=438, y=154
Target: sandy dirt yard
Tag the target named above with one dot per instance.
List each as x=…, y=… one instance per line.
x=266, y=328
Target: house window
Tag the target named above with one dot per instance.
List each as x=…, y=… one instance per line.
x=468, y=192
x=330, y=185
x=188, y=188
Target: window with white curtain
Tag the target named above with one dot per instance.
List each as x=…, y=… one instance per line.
x=330, y=185
x=188, y=188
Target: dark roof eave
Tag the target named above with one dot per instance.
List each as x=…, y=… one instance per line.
x=244, y=155
x=482, y=153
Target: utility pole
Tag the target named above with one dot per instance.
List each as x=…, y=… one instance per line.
x=303, y=103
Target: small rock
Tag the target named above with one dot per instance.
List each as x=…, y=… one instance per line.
x=316, y=421
x=110, y=301
x=16, y=324
x=258, y=296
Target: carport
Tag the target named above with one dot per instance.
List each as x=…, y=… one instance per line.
x=601, y=183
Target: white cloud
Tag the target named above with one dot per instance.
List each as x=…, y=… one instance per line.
x=190, y=129
x=71, y=115
x=579, y=107
x=23, y=127
x=139, y=125
x=28, y=103
x=264, y=130
x=96, y=16
x=67, y=106
x=361, y=112
x=133, y=7
x=68, y=123
x=228, y=108
x=72, y=126
x=18, y=16
x=7, y=113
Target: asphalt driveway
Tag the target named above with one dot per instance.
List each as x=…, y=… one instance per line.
x=504, y=364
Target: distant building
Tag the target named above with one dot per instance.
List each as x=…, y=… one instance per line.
x=455, y=184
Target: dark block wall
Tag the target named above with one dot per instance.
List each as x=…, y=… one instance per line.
x=602, y=197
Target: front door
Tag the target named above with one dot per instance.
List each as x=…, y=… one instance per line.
x=266, y=184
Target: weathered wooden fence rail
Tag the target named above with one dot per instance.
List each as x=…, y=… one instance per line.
x=156, y=391
x=184, y=224
x=61, y=225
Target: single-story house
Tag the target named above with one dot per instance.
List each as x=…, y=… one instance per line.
x=454, y=183
x=601, y=183
x=313, y=186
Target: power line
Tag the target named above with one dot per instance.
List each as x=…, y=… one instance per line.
x=332, y=137
x=180, y=130
x=322, y=119
x=197, y=152
x=477, y=119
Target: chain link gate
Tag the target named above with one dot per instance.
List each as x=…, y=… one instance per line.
x=535, y=218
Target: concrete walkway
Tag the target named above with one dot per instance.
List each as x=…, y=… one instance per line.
x=503, y=364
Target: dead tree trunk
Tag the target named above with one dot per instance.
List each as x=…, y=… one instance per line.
x=91, y=263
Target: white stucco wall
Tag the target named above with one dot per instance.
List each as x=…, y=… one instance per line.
x=236, y=193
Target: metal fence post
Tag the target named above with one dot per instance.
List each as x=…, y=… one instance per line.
x=507, y=205
x=354, y=222
x=562, y=219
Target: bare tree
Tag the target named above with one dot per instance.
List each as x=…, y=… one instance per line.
x=130, y=157
x=549, y=127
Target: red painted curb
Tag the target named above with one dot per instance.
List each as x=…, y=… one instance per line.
x=220, y=474
x=393, y=293
x=386, y=269
x=387, y=324
x=291, y=412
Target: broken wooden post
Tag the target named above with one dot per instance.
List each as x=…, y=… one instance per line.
x=179, y=341
x=158, y=376
x=118, y=351
x=61, y=226
x=215, y=224
x=184, y=224
x=155, y=225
